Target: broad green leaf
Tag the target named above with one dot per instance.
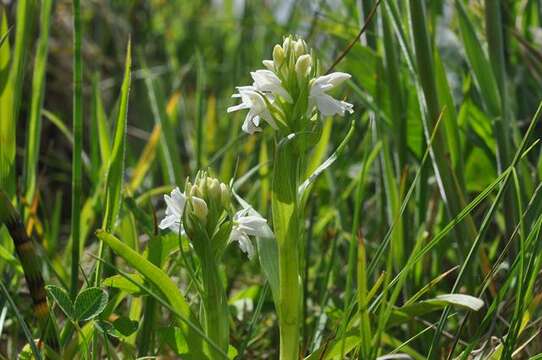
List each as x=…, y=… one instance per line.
x=61, y=297
x=408, y=312
x=173, y=337
x=120, y=282
x=162, y=282
x=90, y=303
x=467, y=301
x=125, y=326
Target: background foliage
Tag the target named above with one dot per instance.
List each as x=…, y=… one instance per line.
x=382, y=241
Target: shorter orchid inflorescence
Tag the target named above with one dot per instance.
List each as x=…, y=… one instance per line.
x=205, y=214
x=208, y=202
x=287, y=93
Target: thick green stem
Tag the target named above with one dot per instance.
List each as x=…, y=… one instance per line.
x=215, y=307
x=286, y=222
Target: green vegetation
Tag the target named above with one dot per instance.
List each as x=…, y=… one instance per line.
x=378, y=195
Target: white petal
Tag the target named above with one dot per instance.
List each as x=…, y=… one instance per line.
x=333, y=79
x=348, y=107
x=329, y=106
x=268, y=81
x=250, y=125
x=244, y=242
x=175, y=202
x=251, y=223
x=241, y=106
x=167, y=222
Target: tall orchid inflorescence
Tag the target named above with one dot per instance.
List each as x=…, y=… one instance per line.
x=290, y=96
x=204, y=212
x=286, y=94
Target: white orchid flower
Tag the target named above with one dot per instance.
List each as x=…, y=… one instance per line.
x=267, y=81
x=247, y=222
x=176, y=203
x=257, y=106
x=326, y=104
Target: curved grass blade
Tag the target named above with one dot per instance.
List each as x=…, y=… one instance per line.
x=115, y=171
x=161, y=280
x=38, y=87
x=485, y=225
x=20, y=319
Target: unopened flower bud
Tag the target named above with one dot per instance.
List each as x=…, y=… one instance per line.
x=213, y=188
x=225, y=195
x=278, y=55
x=195, y=191
x=288, y=45
x=303, y=65
x=202, y=185
x=300, y=48
x=200, y=208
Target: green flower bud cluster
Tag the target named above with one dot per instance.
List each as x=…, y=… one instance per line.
x=208, y=208
x=295, y=66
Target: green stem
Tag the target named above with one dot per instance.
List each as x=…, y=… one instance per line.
x=286, y=222
x=215, y=307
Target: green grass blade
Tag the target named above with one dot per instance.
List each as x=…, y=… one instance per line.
x=115, y=171
x=170, y=166
x=100, y=118
x=483, y=228
x=77, y=148
x=20, y=319
x=38, y=88
x=11, y=90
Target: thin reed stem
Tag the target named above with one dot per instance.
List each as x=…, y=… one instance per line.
x=77, y=147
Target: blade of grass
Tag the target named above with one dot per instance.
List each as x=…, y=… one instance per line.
x=11, y=91
x=447, y=178
x=77, y=148
x=171, y=169
x=483, y=228
x=115, y=169
x=22, y=323
x=38, y=87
